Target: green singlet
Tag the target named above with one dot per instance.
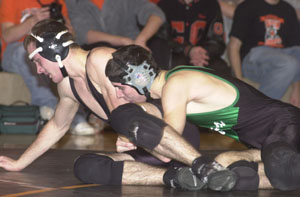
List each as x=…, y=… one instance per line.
x=221, y=120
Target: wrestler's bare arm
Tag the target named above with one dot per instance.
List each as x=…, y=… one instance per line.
x=50, y=134
x=174, y=101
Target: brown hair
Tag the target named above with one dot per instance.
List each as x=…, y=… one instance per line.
x=44, y=26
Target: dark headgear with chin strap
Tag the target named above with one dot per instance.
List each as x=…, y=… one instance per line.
x=53, y=47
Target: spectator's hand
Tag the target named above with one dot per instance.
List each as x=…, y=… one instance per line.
x=123, y=145
x=40, y=14
x=9, y=164
x=198, y=56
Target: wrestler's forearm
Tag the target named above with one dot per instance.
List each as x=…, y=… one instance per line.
x=45, y=140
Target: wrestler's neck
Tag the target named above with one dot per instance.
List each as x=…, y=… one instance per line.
x=76, y=63
x=158, y=85
x=272, y=2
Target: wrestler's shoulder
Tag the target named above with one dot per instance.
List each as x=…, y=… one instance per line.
x=101, y=51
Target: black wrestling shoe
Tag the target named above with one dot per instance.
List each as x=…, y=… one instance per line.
x=187, y=180
x=223, y=180
x=183, y=178
x=247, y=175
x=210, y=172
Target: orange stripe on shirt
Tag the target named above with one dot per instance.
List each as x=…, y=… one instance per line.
x=98, y=3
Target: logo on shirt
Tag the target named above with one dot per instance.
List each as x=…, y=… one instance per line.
x=272, y=24
x=218, y=127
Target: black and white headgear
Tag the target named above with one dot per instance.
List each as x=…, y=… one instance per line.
x=52, y=46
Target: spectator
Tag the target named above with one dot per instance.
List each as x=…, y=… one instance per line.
x=228, y=7
x=264, y=46
x=197, y=29
x=115, y=23
x=16, y=21
x=296, y=5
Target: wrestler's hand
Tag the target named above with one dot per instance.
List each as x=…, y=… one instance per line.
x=9, y=164
x=123, y=144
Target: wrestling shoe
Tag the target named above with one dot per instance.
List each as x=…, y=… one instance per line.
x=247, y=175
x=223, y=180
x=182, y=178
x=213, y=174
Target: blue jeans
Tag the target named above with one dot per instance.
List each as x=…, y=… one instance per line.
x=275, y=69
x=15, y=60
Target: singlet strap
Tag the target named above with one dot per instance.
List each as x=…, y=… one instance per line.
x=75, y=93
x=98, y=96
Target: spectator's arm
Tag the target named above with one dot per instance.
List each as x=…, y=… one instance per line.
x=94, y=36
x=214, y=43
x=150, y=16
x=234, y=47
x=13, y=32
x=227, y=8
x=152, y=26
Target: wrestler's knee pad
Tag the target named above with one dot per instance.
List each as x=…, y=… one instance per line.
x=98, y=169
x=140, y=127
x=247, y=176
x=282, y=166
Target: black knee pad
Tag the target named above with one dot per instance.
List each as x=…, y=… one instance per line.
x=98, y=169
x=248, y=178
x=282, y=165
x=140, y=127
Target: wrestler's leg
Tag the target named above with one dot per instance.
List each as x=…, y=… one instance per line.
x=170, y=143
x=282, y=165
x=264, y=182
x=138, y=173
x=280, y=152
x=156, y=174
x=155, y=135
x=154, y=108
x=121, y=169
x=211, y=173
x=247, y=174
x=229, y=157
